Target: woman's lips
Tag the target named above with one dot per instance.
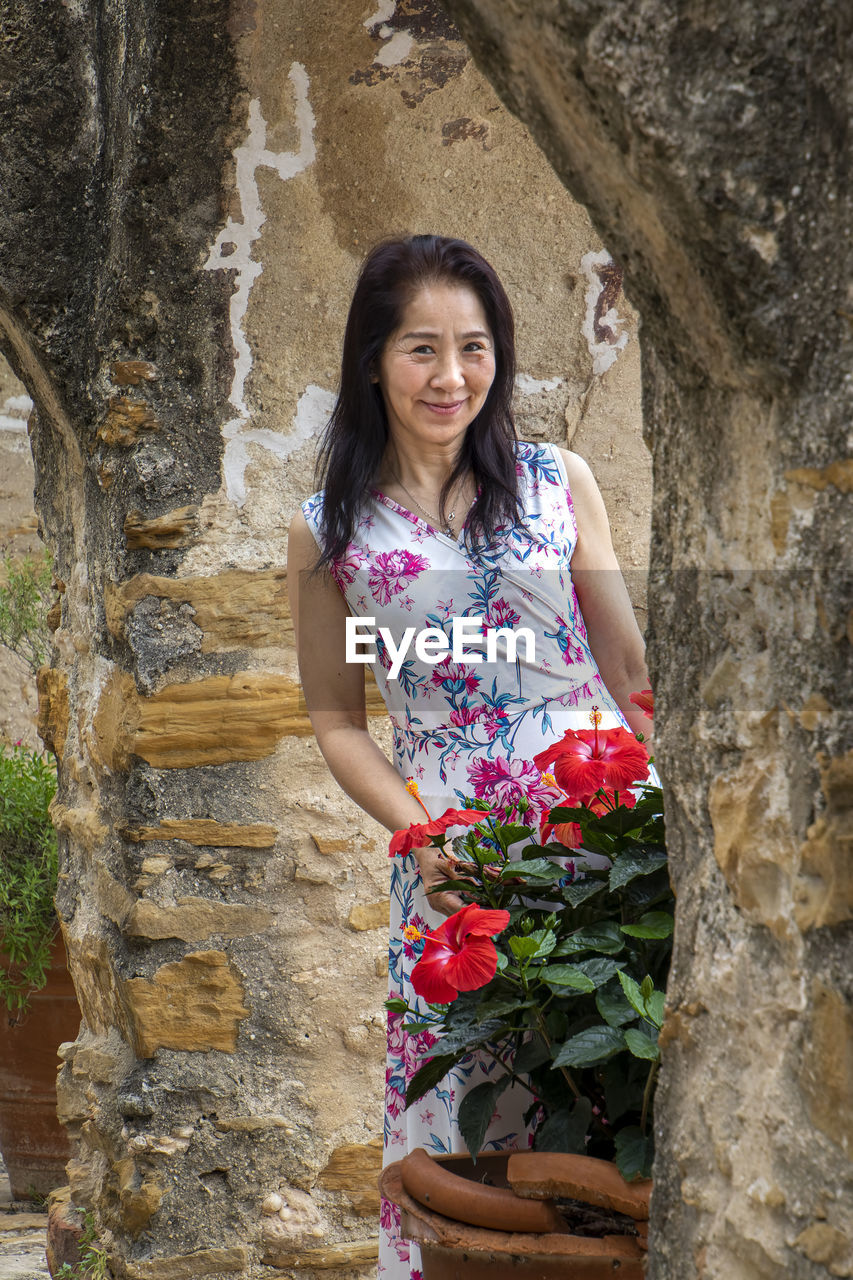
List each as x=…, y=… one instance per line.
x=444, y=409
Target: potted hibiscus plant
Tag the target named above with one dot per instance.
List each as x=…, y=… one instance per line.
x=555, y=969
x=556, y=965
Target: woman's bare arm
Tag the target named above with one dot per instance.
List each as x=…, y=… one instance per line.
x=334, y=695
x=614, y=637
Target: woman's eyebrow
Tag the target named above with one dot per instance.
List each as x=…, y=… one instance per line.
x=465, y=337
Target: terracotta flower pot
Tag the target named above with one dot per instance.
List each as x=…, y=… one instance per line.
x=501, y=1217
x=34, y=1144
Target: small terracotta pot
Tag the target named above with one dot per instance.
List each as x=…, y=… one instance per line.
x=510, y=1226
x=34, y=1144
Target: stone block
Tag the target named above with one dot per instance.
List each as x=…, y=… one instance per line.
x=206, y=832
x=64, y=1228
x=53, y=709
x=178, y=528
x=126, y=420
x=358, y=1253
x=186, y=1266
x=194, y=1004
x=354, y=1169
x=130, y=373
x=235, y=609
x=369, y=915
x=194, y=919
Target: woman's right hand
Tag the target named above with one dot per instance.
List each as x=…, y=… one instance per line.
x=435, y=867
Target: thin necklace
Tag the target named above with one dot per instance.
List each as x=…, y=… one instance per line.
x=434, y=520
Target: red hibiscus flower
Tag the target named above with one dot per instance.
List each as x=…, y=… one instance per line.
x=459, y=955
x=419, y=834
x=585, y=760
x=645, y=701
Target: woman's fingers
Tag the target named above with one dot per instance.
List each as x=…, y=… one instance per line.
x=435, y=868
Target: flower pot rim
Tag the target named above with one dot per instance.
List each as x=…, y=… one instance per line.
x=429, y=1228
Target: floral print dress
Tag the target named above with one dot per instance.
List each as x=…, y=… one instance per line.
x=465, y=726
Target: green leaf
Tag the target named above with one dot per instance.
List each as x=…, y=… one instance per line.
x=511, y=832
x=476, y=1110
x=524, y=948
x=655, y=1008
x=547, y=940
x=581, y=890
x=397, y=1006
x=531, y=1055
x=560, y=976
x=654, y=924
x=595, y=1044
x=593, y=937
x=640, y=1044
x=429, y=1075
x=565, y=1130
x=537, y=869
x=634, y=1153
x=633, y=994
x=461, y=1039
x=613, y=1007
x=599, y=970
x=630, y=865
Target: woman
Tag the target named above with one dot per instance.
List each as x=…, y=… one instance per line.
x=433, y=512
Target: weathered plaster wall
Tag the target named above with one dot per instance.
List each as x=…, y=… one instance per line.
x=176, y=264
x=711, y=145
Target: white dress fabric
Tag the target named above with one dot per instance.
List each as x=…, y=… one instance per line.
x=466, y=728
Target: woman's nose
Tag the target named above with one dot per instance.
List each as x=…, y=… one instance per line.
x=449, y=375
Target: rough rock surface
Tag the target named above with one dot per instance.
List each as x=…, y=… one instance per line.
x=188, y=191
x=711, y=145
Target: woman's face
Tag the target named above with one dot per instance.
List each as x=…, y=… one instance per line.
x=437, y=368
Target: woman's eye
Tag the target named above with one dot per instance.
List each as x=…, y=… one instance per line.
x=423, y=350
x=475, y=346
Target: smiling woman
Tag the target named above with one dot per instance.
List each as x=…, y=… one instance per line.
x=435, y=519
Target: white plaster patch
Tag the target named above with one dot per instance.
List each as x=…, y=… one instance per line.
x=14, y=413
x=604, y=350
x=232, y=250
x=384, y=11
x=396, y=50
x=530, y=386
x=312, y=413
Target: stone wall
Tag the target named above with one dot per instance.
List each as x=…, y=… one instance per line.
x=711, y=145
x=177, y=255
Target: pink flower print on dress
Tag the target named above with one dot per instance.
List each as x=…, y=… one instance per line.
x=454, y=678
x=392, y=572
x=496, y=722
x=504, y=782
x=500, y=613
x=460, y=716
x=347, y=566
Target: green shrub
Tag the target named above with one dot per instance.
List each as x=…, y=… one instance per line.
x=28, y=869
x=25, y=599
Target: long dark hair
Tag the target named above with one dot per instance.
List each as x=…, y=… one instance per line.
x=355, y=438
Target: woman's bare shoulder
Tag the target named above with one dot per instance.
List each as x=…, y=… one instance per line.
x=578, y=472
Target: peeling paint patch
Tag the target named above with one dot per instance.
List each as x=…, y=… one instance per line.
x=312, y=413
x=396, y=50
x=384, y=12
x=14, y=413
x=464, y=127
x=602, y=323
x=232, y=251
x=532, y=386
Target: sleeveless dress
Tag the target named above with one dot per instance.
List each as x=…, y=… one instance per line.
x=465, y=726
